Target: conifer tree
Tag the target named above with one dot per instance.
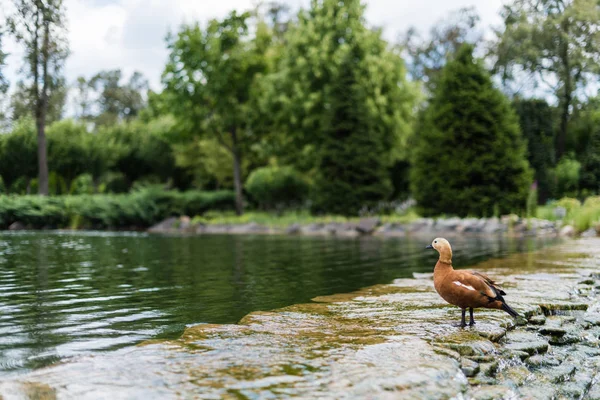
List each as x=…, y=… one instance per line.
x=469, y=156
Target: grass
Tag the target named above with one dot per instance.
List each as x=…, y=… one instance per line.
x=288, y=218
x=581, y=216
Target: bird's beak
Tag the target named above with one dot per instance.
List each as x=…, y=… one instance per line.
x=429, y=247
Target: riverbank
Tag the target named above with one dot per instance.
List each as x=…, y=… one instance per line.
x=386, y=341
x=376, y=226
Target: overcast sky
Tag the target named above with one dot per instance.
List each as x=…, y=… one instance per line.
x=129, y=34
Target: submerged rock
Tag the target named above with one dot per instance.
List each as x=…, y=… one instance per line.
x=529, y=343
x=468, y=367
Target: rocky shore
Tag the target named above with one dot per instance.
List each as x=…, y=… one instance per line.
x=509, y=225
x=394, y=341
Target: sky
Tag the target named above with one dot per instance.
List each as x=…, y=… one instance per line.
x=130, y=34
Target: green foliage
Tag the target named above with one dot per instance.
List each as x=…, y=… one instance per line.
x=353, y=150
x=277, y=187
x=18, y=155
x=567, y=174
x=209, y=82
x=569, y=204
x=352, y=133
x=83, y=184
x=590, y=163
x=551, y=39
x=139, y=209
x=469, y=156
x=536, y=119
x=140, y=150
x=532, y=201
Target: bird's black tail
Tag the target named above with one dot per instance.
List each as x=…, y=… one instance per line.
x=509, y=310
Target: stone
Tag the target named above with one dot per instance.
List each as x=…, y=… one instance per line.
x=491, y=332
x=17, y=226
x=537, y=320
x=589, y=233
x=540, y=360
x=529, y=343
x=564, y=340
x=293, y=229
x=567, y=231
x=561, y=373
x=560, y=212
x=560, y=308
x=552, y=331
x=493, y=393
x=489, y=369
x=493, y=225
x=592, y=318
x=367, y=225
x=472, y=348
x=165, y=226
x=468, y=367
x=447, y=225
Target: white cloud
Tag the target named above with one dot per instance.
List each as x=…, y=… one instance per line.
x=129, y=34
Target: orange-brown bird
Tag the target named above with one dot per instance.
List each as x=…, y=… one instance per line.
x=465, y=289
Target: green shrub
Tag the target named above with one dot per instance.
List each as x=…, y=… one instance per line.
x=567, y=176
x=469, y=156
x=568, y=204
x=138, y=209
x=83, y=184
x=277, y=187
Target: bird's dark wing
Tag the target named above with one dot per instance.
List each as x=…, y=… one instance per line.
x=489, y=282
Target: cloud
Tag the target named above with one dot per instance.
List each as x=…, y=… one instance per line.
x=130, y=34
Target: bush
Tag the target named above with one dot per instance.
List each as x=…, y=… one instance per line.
x=469, y=156
x=567, y=177
x=139, y=209
x=277, y=187
x=568, y=204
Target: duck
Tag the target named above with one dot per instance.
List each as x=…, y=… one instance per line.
x=465, y=289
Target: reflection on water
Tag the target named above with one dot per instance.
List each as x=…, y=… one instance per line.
x=63, y=294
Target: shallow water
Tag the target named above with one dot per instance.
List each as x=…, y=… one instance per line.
x=66, y=294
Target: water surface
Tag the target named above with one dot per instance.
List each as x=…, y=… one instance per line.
x=65, y=294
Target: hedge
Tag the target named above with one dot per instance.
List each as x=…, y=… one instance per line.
x=138, y=209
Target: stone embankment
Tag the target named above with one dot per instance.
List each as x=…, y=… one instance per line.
x=394, y=341
x=509, y=225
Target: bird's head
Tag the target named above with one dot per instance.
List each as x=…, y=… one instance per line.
x=443, y=247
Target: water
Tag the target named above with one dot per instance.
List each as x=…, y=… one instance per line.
x=67, y=294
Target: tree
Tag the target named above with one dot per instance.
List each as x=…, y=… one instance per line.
x=469, y=156
x=82, y=99
x=426, y=58
x=41, y=28
x=339, y=99
x=536, y=118
x=3, y=84
x=117, y=102
x=18, y=153
x=209, y=80
x=21, y=102
x=353, y=150
x=557, y=43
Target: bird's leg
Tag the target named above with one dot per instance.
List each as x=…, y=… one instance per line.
x=462, y=319
x=472, y=322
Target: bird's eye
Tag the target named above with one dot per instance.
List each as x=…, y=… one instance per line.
x=435, y=241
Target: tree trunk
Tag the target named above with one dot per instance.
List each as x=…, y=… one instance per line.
x=42, y=106
x=42, y=158
x=237, y=174
x=567, y=96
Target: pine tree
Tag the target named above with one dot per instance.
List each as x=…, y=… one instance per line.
x=590, y=164
x=469, y=158
x=341, y=99
x=352, y=173
x=536, y=118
